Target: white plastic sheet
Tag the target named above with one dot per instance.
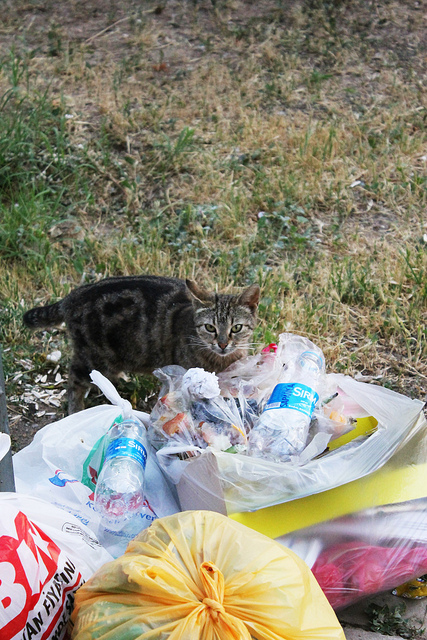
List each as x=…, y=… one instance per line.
x=4, y=444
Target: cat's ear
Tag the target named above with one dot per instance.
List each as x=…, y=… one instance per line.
x=199, y=294
x=250, y=297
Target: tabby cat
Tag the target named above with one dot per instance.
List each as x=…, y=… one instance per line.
x=135, y=324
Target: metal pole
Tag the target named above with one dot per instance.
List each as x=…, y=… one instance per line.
x=7, y=480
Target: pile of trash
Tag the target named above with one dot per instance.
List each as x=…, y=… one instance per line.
x=273, y=427
x=271, y=405
x=328, y=471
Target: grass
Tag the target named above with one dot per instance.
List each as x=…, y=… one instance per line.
x=390, y=621
x=279, y=144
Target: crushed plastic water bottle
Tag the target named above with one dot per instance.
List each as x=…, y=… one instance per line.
x=282, y=429
x=119, y=493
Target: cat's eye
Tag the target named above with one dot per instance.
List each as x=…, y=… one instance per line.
x=210, y=328
x=236, y=328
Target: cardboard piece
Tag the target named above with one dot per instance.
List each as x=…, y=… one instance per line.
x=200, y=486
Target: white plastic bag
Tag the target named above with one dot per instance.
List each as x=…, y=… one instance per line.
x=4, y=444
x=242, y=483
x=45, y=555
x=51, y=467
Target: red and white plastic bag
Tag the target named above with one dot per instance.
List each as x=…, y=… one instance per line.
x=46, y=554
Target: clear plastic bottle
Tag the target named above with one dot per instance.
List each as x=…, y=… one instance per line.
x=283, y=426
x=119, y=493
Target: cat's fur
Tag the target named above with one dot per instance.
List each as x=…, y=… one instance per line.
x=135, y=324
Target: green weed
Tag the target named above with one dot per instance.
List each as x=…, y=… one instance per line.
x=390, y=621
x=24, y=230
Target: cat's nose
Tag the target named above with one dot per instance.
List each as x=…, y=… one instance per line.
x=222, y=345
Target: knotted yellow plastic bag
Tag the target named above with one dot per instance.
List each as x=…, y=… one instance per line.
x=198, y=575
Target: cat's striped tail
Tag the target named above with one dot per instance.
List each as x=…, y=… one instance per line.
x=44, y=317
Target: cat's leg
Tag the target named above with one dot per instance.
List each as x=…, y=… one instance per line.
x=78, y=384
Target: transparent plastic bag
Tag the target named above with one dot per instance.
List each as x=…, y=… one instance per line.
x=256, y=376
x=367, y=552
x=253, y=377
x=224, y=419
x=190, y=412
x=200, y=576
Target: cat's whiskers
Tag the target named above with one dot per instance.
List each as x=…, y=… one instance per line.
x=245, y=345
x=198, y=342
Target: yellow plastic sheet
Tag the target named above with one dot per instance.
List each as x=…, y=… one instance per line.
x=198, y=575
x=386, y=486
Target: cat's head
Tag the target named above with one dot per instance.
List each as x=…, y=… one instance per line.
x=224, y=323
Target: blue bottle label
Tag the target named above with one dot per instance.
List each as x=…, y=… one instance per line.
x=127, y=447
x=293, y=396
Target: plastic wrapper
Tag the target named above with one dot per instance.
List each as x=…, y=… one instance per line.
x=337, y=412
x=414, y=589
x=45, y=555
x=199, y=575
x=191, y=412
x=367, y=552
